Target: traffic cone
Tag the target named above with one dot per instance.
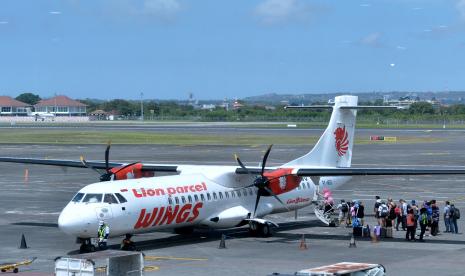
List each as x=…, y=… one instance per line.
x=222, y=242
x=303, y=244
x=23, y=242
x=26, y=175
x=352, y=242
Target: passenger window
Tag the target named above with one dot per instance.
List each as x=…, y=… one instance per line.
x=226, y=194
x=183, y=199
x=233, y=195
x=170, y=201
x=250, y=191
x=202, y=197
x=189, y=198
x=238, y=193
x=110, y=198
x=209, y=197
x=244, y=192
x=78, y=197
x=120, y=198
x=214, y=196
x=196, y=198
x=176, y=199
x=221, y=195
x=93, y=198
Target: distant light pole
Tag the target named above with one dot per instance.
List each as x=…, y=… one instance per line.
x=141, y=106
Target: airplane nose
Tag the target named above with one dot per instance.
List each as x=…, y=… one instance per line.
x=71, y=223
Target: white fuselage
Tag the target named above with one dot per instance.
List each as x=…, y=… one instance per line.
x=186, y=200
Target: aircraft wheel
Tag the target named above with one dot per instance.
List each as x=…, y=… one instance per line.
x=265, y=230
x=184, y=230
x=15, y=270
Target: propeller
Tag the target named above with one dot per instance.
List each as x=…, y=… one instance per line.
x=108, y=173
x=261, y=182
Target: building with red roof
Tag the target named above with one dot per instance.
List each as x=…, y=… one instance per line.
x=61, y=106
x=12, y=107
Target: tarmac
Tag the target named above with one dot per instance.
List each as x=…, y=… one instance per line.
x=31, y=207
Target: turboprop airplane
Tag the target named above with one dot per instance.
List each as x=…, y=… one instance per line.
x=40, y=115
x=131, y=200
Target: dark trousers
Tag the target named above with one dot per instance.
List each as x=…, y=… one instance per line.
x=404, y=222
x=434, y=228
x=422, y=231
x=410, y=235
x=399, y=220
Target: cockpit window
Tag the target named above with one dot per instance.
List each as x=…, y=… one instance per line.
x=93, y=198
x=121, y=198
x=110, y=198
x=78, y=197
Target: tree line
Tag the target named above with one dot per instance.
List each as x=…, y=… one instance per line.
x=174, y=110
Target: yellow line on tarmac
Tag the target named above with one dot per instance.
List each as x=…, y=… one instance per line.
x=156, y=258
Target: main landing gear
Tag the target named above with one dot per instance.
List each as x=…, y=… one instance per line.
x=259, y=229
x=86, y=246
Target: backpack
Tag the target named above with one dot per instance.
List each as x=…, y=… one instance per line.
x=424, y=219
x=397, y=211
x=384, y=211
x=345, y=208
x=455, y=213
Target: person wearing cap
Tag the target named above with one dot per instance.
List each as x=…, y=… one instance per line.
x=103, y=232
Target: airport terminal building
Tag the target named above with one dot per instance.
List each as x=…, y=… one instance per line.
x=61, y=106
x=12, y=107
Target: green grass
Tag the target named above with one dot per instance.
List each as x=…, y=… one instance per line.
x=74, y=136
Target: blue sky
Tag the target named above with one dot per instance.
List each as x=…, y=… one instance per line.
x=229, y=49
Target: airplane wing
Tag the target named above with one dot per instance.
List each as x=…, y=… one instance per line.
x=252, y=170
x=79, y=164
x=359, y=171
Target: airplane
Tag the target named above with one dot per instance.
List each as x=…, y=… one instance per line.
x=132, y=200
x=40, y=115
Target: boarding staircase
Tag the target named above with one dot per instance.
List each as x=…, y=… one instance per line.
x=327, y=215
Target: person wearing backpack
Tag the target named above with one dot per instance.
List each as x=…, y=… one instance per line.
x=410, y=235
x=398, y=212
x=454, y=216
x=361, y=212
x=423, y=221
x=343, y=209
x=447, y=217
x=435, y=219
x=383, y=212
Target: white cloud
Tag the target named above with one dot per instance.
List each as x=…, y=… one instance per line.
x=402, y=48
x=278, y=11
x=3, y=22
x=365, y=5
x=164, y=8
x=54, y=12
x=461, y=8
x=372, y=40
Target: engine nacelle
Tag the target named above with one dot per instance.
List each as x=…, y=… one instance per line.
x=130, y=172
x=282, y=180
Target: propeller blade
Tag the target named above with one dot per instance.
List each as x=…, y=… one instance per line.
x=84, y=162
x=107, y=155
x=256, y=202
x=265, y=157
x=275, y=196
x=241, y=164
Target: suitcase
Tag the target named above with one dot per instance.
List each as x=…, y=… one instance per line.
x=357, y=231
x=388, y=232
x=366, y=231
x=383, y=232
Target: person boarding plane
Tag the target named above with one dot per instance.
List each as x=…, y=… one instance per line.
x=135, y=201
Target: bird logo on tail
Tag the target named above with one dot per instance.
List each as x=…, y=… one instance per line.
x=342, y=141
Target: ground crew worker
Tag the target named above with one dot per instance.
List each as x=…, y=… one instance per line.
x=103, y=232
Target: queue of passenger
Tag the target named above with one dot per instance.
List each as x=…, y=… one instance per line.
x=410, y=216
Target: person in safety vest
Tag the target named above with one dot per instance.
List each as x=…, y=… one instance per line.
x=103, y=232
